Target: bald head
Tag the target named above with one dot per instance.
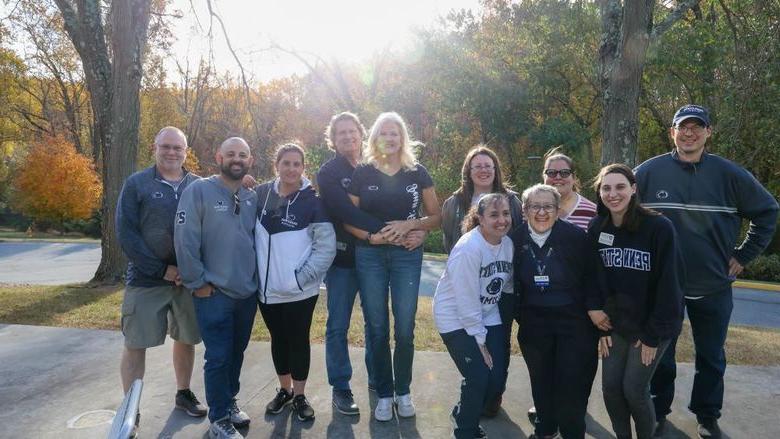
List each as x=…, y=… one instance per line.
x=170, y=132
x=170, y=151
x=233, y=142
x=234, y=158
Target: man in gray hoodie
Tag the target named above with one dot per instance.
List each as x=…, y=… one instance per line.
x=214, y=240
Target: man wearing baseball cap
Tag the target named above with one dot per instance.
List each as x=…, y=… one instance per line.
x=706, y=197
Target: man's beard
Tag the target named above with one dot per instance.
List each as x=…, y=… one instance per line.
x=234, y=175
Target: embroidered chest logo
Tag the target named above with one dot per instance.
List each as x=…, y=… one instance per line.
x=662, y=194
x=373, y=188
x=345, y=182
x=289, y=221
x=220, y=206
x=157, y=195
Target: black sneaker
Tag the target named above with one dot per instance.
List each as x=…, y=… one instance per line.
x=186, y=400
x=492, y=407
x=302, y=408
x=277, y=404
x=660, y=427
x=454, y=412
x=344, y=402
x=708, y=428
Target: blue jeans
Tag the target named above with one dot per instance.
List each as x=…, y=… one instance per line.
x=709, y=318
x=225, y=325
x=342, y=284
x=480, y=384
x=383, y=270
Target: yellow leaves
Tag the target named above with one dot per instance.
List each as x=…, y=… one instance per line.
x=56, y=183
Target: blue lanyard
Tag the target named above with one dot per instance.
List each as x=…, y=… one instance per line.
x=541, y=263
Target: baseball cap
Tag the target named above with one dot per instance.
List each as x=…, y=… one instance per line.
x=692, y=111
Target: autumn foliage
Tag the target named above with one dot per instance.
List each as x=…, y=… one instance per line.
x=55, y=183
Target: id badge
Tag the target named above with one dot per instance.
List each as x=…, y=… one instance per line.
x=606, y=238
x=542, y=281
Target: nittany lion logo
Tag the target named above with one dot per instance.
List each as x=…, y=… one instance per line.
x=494, y=287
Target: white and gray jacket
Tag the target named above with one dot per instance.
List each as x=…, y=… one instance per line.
x=295, y=243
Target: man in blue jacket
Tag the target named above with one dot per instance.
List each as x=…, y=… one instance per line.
x=706, y=197
x=154, y=302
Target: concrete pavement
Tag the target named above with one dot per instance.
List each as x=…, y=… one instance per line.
x=64, y=383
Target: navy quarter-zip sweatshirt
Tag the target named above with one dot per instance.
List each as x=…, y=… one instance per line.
x=144, y=225
x=706, y=202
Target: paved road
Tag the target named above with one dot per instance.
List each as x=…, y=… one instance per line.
x=63, y=383
x=61, y=263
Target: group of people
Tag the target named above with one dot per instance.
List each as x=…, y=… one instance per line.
x=583, y=280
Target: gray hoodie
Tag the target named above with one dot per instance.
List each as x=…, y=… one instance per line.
x=215, y=244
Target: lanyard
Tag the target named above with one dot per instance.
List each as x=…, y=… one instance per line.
x=541, y=263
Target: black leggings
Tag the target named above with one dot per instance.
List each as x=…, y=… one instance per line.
x=289, y=325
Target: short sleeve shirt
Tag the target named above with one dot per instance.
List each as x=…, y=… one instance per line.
x=390, y=197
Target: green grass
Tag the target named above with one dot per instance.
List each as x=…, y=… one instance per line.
x=98, y=307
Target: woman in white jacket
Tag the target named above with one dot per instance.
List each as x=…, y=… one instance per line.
x=295, y=246
x=465, y=308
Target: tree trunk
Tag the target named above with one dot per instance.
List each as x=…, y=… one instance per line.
x=114, y=99
x=626, y=36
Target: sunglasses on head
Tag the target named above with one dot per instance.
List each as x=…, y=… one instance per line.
x=563, y=173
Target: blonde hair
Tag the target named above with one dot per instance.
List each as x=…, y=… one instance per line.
x=372, y=153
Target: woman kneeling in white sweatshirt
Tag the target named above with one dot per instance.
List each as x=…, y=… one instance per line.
x=465, y=308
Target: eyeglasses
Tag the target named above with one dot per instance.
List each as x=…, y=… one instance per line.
x=694, y=129
x=236, y=204
x=536, y=208
x=482, y=168
x=563, y=173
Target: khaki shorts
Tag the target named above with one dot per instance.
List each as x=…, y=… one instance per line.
x=148, y=313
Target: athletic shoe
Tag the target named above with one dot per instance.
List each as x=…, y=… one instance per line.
x=237, y=416
x=277, y=404
x=404, y=405
x=224, y=429
x=344, y=402
x=532, y=415
x=492, y=407
x=187, y=401
x=660, y=427
x=302, y=408
x=384, y=409
x=708, y=428
x=481, y=434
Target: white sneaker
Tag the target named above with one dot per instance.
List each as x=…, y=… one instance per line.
x=384, y=409
x=405, y=405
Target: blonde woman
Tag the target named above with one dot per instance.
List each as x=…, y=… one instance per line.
x=394, y=188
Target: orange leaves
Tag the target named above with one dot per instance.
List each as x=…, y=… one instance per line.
x=56, y=183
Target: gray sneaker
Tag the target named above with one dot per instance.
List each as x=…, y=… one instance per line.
x=237, y=416
x=708, y=428
x=224, y=429
x=344, y=402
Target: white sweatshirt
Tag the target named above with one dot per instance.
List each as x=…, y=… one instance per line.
x=469, y=289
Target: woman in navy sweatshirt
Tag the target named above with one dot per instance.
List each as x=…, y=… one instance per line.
x=641, y=283
x=554, y=265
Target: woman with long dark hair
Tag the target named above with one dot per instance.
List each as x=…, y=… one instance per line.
x=643, y=309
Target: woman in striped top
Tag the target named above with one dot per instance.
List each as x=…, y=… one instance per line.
x=559, y=173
